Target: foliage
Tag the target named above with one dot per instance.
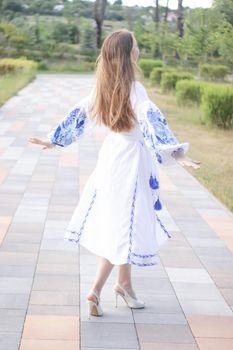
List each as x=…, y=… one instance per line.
x=196, y=45
x=213, y=72
x=70, y=67
x=156, y=74
x=87, y=42
x=222, y=39
x=217, y=105
x=147, y=65
x=189, y=91
x=225, y=7
x=169, y=79
x=10, y=65
x=35, y=29
x=68, y=33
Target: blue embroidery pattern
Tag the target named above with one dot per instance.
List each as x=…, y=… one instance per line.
x=131, y=223
x=149, y=139
x=163, y=134
x=143, y=256
x=144, y=264
x=162, y=226
x=156, y=133
x=177, y=151
x=78, y=234
x=70, y=129
x=130, y=253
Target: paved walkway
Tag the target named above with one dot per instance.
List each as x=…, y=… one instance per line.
x=43, y=280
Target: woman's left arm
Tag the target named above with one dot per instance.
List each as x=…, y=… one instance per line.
x=158, y=136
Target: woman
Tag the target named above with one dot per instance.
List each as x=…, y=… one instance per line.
x=116, y=217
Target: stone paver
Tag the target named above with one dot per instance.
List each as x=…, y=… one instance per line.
x=44, y=280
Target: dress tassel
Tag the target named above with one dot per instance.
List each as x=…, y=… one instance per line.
x=158, y=205
x=154, y=184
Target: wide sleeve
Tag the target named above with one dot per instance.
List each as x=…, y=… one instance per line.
x=73, y=125
x=158, y=137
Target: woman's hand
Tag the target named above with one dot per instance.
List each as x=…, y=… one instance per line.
x=186, y=161
x=45, y=143
x=183, y=160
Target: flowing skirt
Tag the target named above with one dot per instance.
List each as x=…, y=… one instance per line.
x=117, y=214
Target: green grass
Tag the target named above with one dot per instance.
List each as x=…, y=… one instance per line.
x=209, y=144
x=10, y=84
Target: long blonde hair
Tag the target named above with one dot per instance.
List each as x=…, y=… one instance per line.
x=114, y=76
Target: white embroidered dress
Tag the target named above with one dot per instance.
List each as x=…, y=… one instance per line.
x=117, y=214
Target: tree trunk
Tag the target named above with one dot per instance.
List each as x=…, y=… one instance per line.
x=99, y=11
x=98, y=34
x=157, y=14
x=166, y=12
x=180, y=19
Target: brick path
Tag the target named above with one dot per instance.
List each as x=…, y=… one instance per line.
x=43, y=280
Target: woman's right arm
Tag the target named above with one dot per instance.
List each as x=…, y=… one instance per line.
x=70, y=129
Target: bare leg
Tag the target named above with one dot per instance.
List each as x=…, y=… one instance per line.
x=104, y=269
x=124, y=279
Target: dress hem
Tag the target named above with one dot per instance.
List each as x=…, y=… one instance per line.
x=131, y=262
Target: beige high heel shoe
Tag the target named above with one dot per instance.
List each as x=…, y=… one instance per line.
x=94, y=309
x=131, y=302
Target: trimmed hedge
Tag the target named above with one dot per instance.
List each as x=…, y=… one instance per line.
x=156, y=74
x=189, y=91
x=169, y=79
x=217, y=105
x=213, y=71
x=11, y=65
x=147, y=65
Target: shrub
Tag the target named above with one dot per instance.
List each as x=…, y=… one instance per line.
x=189, y=91
x=213, y=72
x=147, y=65
x=217, y=105
x=169, y=79
x=11, y=65
x=87, y=42
x=73, y=67
x=43, y=66
x=156, y=73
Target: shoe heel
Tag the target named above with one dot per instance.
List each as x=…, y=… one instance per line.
x=89, y=307
x=116, y=295
x=92, y=309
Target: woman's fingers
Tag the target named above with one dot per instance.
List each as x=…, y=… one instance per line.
x=197, y=161
x=41, y=142
x=36, y=140
x=190, y=163
x=192, y=160
x=193, y=165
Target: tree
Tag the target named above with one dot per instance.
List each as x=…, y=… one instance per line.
x=1, y=7
x=156, y=14
x=99, y=11
x=225, y=7
x=87, y=39
x=223, y=39
x=166, y=11
x=12, y=5
x=180, y=19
